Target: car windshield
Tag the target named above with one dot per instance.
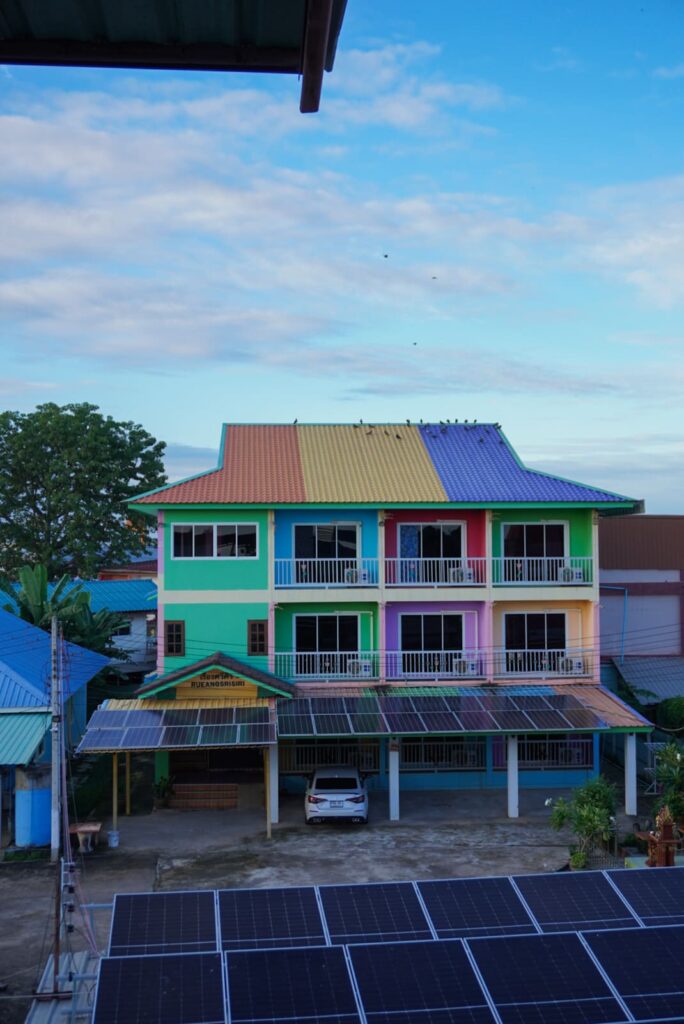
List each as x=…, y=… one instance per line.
x=335, y=784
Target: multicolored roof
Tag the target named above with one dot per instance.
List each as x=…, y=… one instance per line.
x=376, y=464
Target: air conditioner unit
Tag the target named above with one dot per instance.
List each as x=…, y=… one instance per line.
x=462, y=667
x=458, y=574
x=354, y=575
x=360, y=667
x=569, y=666
x=569, y=574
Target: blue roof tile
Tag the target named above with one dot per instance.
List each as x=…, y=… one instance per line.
x=476, y=463
x=121, y=595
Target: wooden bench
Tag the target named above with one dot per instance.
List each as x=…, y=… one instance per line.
x=86, y=831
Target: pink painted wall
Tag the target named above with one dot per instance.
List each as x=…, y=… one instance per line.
x=473, y=518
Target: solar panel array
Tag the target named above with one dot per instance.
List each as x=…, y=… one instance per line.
x=475, y=711
x=175, y=728
x=580, y=948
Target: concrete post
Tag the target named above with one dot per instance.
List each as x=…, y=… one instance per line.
x=394, y=779
x=56, y=750
x=115, y=792
x=512, y=777
x=273, y=784
x=128, y=782
x=630, y=774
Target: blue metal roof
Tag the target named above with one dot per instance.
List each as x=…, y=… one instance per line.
x=654, y=679
x=121, y=595
x=25, y=664
x=476, y=463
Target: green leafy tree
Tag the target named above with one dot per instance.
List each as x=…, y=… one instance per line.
x=669, y=775
x=590, y=815
x=36, y=602
x=66, y=476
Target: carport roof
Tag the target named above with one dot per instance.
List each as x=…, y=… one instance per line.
x=217, y=661
x=21, y=733
x=296, y=37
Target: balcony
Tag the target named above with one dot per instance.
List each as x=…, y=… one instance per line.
x=328, y=665
x=534, y=572
x=326, y=572
x=434, y=665
x=435, y=572
x=570, y=663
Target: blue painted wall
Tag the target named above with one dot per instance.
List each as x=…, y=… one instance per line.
x=32, y=813
x=285, y=520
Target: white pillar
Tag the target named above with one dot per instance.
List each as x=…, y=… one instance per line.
x=273, y=784
x=512, y=777
x=394, y=779
x=630, y=774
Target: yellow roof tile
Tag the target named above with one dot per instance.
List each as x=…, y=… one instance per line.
x=367, y=464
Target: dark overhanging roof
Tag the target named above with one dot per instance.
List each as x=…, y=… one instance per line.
x=222, y=661
x=282, y=36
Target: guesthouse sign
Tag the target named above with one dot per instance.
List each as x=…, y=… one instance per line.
x=215, y=683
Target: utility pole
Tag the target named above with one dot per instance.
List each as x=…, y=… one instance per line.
x=56, y=737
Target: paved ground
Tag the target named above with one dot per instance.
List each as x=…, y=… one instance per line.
x=440, y=835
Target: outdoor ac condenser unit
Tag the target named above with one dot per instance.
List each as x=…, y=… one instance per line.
x=354, y=575
x=570, y=574
x=459, y=574
x=360, y=667
x=571, y=666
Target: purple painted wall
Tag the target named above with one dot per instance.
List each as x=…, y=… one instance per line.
x=472, y=624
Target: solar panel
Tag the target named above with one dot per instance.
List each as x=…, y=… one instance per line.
x=294, y=985
x=161, y=990
x=656, y=896
x=404, y=721
x=398, y=704
x=101, y=739
x=571, y=901
x=295, y=725
x=182, y=716
x=327, y=705
x=256, y=735
x=331, y=725
x=468, y=907
x=107, y=720
x=218, y=736
x=259, y=715
x=404, y=983
x=547, y=719
x=532, y=702
x=516, y=720
x=362, y=705
x=163, y=922
x=645, y=966
x=216, y=716
x=145, y=718
x=497, y=702
x=546, y=979
x=373, y=913
x=368, y=723
x=463, y=703
x=180, y=736
x=563, y=701
x=477, y=721
x=146, y=738
x=269, y=918
x=435, y=703
x=441, y=721
x=583, y=719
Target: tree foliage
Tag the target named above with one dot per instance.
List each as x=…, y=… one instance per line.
x=590, y=814
x=66, y=475
x=36, y=602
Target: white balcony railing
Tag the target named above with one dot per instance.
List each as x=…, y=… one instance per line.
x=434, y=664
x=326, y=572
x=563, y=662
x=553, y=572
x=435, y=572
x=347, y=665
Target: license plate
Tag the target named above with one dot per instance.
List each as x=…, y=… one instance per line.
x=337, y=803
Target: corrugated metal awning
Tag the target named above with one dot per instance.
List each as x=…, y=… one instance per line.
x=653, y=679
x=21, y=733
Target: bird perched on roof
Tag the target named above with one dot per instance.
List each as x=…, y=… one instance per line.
x=295, y=421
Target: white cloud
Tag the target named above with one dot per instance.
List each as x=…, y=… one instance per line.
x=675, y=71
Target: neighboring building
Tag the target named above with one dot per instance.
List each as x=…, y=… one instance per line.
x=142, y=568
x=642, y=605
x=136, y=601
x=25, y=720
x=412, y=599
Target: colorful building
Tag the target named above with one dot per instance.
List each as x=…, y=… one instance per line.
x=411, y=599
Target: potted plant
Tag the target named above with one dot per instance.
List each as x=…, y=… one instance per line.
x=669, y=774
x=590, y=815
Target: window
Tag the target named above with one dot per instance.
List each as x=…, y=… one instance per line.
x=326, y=644
x=430, y=552
x=535, y=641
x=325, y=552
x=124, y=629
x=174, y=639
x=430, y=643
x=257, y=636
x=533, y=552
x=222, y=540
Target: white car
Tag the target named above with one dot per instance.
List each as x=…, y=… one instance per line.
x=334, y=794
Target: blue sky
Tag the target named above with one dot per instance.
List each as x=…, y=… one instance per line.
x=484, y=221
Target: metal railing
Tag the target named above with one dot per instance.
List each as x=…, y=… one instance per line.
x=302, y=757
x=348, y=665
x=560, y=571
x=539, y=753
x=434, y=664
x=460, y=753
x=563, y=662
x=435, y=572
x=326, y=572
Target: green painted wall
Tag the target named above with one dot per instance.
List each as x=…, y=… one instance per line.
x=214, y=627
x=578, y=519
x=216, y=573
x=368, y=623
